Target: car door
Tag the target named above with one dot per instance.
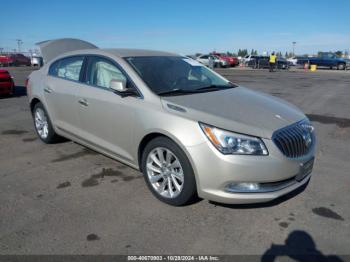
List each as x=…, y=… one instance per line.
x=331, y=60
x=60, y=90
x=107, y=119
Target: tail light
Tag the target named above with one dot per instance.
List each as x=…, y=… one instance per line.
x=26, y=82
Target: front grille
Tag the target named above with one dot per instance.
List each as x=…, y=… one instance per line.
x=295, y=140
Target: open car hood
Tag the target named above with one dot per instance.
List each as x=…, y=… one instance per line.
x=53, y=48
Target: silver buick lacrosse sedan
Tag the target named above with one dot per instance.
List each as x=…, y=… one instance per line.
x=189, y=130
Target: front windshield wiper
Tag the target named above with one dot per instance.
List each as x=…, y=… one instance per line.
x=214, y=88
x=179, y=91
x=176, y=92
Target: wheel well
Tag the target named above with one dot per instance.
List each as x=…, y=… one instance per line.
x=33, y=103
x=144, y=143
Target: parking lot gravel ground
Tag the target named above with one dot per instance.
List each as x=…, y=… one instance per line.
x=67, y=199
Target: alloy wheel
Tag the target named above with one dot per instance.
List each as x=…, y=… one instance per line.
x=164, y=172
x=41, y=123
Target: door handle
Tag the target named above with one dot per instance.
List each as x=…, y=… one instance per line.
x=48, y=90
x=83, y=102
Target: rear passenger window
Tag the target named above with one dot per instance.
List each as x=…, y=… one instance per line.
x=67, y=68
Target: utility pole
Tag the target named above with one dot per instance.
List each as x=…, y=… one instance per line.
x=294, y=47
x=19, y=43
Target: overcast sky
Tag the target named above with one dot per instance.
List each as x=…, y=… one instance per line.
x=183, y=26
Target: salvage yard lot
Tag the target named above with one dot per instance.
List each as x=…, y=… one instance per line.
x=66, y=199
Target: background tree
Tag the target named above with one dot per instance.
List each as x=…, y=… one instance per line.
x=242, y=52
x=231, y=54
x=339, y=53
x=254, y=52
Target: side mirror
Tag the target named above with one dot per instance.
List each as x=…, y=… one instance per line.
x=119, y=87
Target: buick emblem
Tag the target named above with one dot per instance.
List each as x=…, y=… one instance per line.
x=307, y=137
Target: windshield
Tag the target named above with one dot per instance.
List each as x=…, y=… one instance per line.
x=164, y=74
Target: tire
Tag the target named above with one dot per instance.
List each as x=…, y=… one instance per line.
x=341, y=66
x=180, y=173
x=43, y=126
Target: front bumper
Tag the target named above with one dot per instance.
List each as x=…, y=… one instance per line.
x=215, y=172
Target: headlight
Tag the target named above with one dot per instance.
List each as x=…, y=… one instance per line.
x=231, y=143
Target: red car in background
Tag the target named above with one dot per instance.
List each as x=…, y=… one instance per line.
x=6, y=83
x=14, y=60
x=6, y=60
x=20, y=59
x=231, y=61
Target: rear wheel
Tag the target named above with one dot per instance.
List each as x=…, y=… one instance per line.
x=341, y=66
x=168, y=172
x=43, y=126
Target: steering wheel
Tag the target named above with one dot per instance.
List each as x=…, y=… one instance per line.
x=181, y=80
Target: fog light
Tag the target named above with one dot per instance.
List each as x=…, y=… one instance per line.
x=243, y=187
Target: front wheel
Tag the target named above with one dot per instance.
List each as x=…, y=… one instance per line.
x=43, y=126
x=168, y=172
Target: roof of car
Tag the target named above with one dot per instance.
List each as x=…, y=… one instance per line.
x=126, y=52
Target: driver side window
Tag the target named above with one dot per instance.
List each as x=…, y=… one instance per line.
x=101, y=71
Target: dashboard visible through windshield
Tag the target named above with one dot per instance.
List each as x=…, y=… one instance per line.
x=176, y=75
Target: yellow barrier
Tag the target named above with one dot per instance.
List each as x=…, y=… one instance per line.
x=313, y=68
